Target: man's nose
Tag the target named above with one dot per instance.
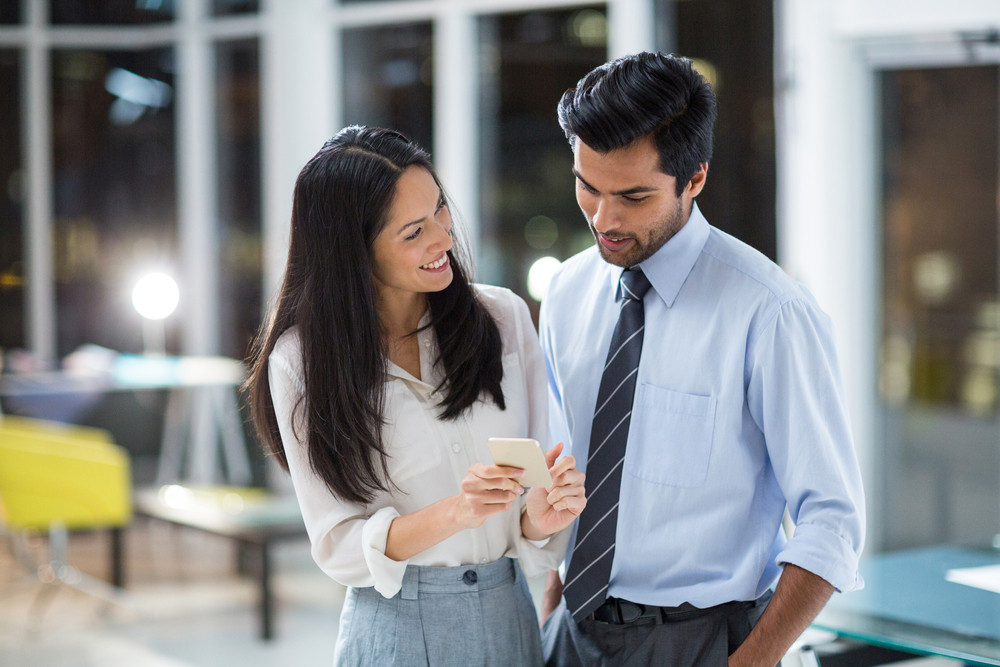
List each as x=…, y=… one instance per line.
x=604, y=217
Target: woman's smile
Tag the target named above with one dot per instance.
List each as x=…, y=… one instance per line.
x=438, y=265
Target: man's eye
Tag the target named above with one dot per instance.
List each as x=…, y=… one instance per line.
x=414, y=234
x=635, y=200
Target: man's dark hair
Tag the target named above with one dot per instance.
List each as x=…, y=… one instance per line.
x=647, y=94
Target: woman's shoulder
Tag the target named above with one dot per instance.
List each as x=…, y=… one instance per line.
x=508, y=309
x=287, y=353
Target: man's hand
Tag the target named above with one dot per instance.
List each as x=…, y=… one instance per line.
x=798, y=599
x=552, y=596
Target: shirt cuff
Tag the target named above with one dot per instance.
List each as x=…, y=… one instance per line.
x=388, y=573
x=539, y=556
x=824, y=553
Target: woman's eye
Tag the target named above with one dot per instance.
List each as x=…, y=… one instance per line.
x=414, y=234
x=441, y=204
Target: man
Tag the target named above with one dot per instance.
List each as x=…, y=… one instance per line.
x=698, y=388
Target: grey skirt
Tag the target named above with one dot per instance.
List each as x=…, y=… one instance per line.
x=443, y=617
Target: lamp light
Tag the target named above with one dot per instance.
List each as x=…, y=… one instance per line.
x=155, y=297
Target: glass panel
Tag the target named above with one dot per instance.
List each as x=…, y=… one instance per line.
x=732, y=44
x=941, y=345
x=115, y=195
x=10, y=11
x=388, y=79
x=111, y=12
x=238, y=117
x=11, y=195
x=912, y=601
x=230, y=7
x=529, y=207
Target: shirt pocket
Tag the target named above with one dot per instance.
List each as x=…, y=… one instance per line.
x=670, y=437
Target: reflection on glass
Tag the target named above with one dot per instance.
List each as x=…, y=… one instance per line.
x=238, y=118
x=230, y=7
x=530, y=217
x=10, y=12
x=11, y=196
x=941, y=338
x=111, y=12
x=388, y=79
x=115, y=197
x=731, y=44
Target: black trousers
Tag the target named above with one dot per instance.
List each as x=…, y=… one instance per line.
x=704, y=639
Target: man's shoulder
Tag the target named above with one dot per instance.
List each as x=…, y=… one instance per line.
x=751, y=267
x=574, y=273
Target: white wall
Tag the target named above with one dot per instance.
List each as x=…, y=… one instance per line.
x=828, y=219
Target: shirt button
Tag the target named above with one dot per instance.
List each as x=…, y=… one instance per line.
x=456, y=448
x=482, y=561
x=470, y=577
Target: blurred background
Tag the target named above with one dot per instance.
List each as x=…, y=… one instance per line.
x=856, y=145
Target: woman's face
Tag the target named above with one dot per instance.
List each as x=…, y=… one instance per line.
x=411, y=253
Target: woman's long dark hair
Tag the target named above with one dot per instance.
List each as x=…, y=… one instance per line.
x=342, y=200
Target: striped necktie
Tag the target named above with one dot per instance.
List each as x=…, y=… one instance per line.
x=590, y=569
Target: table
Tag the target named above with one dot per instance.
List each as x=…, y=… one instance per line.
x=252, y=517
x=202, y=408
x=907, y=604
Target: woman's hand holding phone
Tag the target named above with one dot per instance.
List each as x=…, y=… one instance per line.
x=486, y=490
x=552, y=509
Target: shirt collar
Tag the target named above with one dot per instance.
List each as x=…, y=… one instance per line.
x=670, y=266
x=427, y=343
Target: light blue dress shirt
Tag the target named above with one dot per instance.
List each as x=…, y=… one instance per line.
x=739, y=409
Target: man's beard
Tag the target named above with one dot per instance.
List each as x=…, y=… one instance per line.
x=643, y=249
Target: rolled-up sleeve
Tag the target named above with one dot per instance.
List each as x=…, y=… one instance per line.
x=796, y=397
x=348, y=540
x=537, y=557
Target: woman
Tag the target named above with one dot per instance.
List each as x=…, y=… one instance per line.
x=376, y=383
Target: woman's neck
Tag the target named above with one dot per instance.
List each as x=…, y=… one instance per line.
x=400, y=312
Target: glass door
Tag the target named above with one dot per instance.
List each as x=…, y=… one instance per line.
x=941, y=324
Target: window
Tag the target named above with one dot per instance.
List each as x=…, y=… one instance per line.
x=115, y=202
x=11, y=204
x=238, y=140
x=941, y=321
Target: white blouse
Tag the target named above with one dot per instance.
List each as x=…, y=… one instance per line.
x=428, y=458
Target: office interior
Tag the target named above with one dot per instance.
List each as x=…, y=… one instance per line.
x=857, y=145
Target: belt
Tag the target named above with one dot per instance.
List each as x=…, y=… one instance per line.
x=621, y=612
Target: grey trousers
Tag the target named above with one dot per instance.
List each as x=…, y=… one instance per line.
x=467, y=616
x=691, y=640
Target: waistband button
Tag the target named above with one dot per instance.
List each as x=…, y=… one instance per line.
x=470, y=577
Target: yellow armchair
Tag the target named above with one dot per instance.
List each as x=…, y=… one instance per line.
x=79, y=483
x=55, y=478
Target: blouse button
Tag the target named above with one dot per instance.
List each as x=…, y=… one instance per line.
x=482, y=561
x=456, y=448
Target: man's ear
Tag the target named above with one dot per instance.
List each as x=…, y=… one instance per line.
x=697, y=181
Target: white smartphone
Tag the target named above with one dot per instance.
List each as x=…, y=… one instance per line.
x=524, y=453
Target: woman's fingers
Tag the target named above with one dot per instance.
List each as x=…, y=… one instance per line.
x=574, y=504
x=568, y=463
x=494, y=472
x=562, y=492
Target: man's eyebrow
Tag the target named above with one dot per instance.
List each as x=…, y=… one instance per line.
x=639, y=189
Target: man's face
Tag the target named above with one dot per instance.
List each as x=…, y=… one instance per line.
x=631, y=206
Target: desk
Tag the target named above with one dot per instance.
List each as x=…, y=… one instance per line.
x=201, y=407
x=257, y=525
x=907, y=604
